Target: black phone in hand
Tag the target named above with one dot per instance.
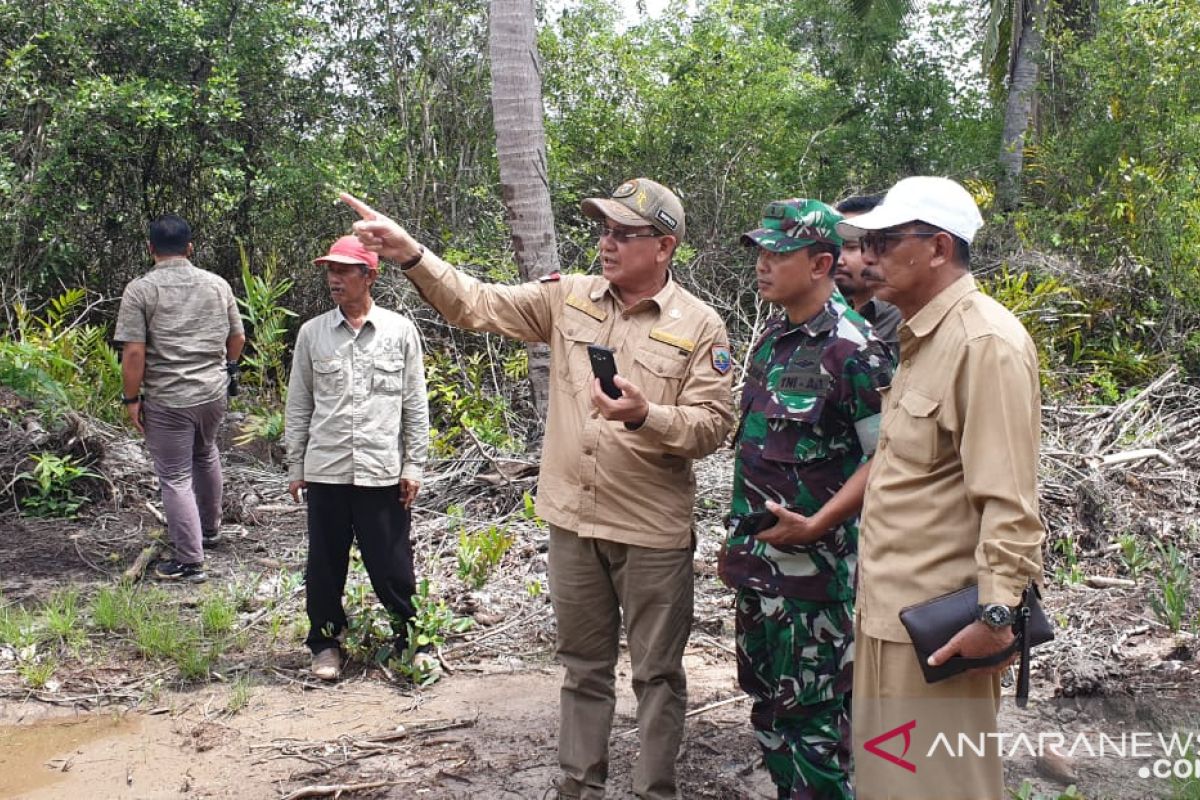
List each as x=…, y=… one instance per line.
x=604, y=367
x=756, y=523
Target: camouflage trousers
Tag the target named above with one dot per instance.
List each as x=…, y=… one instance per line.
x=796, y=659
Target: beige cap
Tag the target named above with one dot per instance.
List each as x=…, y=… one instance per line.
x=640, y=201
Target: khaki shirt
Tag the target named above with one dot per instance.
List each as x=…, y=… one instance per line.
x=184, y=314
x=356, y=408
x=952, y=496
x=599, y=479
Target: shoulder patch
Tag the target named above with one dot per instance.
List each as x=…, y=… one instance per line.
x=553, y=277
x=588, y=307
x=687, y=345
x=722, y=360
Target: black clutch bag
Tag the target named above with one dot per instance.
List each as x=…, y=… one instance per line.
x=933, y=623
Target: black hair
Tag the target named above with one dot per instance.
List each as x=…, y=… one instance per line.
x=170, y=235
x=859, y=203
x=816, y=248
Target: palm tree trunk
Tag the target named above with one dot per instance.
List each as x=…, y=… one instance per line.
x=521, y=151
x=1018, y=113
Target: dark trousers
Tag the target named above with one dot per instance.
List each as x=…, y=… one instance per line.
x=337, y=515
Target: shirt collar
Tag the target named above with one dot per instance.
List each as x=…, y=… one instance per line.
x=926, y=321
x=661, y=299
x=173, y=261
x=338, y=317
x=824, y=321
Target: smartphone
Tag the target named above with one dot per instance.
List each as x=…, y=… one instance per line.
x=756, y=523
x=604, y=367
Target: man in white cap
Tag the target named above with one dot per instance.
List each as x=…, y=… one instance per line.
x=616, y=484
x=951, y=500
x=357, y=437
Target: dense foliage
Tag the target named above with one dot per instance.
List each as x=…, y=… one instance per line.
x=246, y=115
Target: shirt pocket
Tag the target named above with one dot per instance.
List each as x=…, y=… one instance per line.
x=912, y=432
x=659, y=376
x=574, y=371
x=329, y=379
x=794, y=432
x=388, y=377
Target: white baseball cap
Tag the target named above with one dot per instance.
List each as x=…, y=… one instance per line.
x=939, y=202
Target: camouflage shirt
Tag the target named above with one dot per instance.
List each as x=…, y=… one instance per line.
x=809, y=404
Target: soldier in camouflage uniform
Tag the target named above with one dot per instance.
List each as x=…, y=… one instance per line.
x=810, y=419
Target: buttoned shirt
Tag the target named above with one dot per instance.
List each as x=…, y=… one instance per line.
x=952, y=496
x=184, y=315
x=599, y=479
x=810, y=417
x=357, y=412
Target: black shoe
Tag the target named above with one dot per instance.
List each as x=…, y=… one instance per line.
x=172, y=570
x=210, y=538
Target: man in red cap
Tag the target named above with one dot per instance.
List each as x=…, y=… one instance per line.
x=357, y=436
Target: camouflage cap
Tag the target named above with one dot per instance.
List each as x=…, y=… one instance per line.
x=640, y=201
x=789, y=225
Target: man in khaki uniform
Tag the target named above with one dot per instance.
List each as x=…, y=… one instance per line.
x=951, y=499
x=616, y=485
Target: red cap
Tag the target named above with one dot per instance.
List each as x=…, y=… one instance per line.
x=349, y=250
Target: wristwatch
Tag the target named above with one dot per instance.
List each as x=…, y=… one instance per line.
x=997, y=615
x=128, y=401
x=412, y=262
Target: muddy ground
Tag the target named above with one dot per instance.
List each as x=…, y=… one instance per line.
x=112, y=725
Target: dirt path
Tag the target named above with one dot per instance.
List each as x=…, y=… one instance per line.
x=498, y=741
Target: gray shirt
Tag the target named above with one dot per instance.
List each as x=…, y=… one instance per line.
x=184, y=314
x=885, y=320
x=357, y=412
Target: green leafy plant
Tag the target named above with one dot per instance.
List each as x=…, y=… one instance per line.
x=51, y=483
x=1068, y=571
x=263, y=370
x=432, y=622
x=1170, y=603
x=61, y=362
x=1134, y=557
x=1027, y=792
x=458, y=403
x=479, y=552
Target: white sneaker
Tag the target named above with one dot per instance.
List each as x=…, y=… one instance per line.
x=327, y=664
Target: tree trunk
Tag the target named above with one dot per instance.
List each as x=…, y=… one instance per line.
x=1018, y=113
x=521, y=151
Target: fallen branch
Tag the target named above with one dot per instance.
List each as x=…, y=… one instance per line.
x=1114, y=459
x=335, y=789
x=695, y=712
x=148, y=554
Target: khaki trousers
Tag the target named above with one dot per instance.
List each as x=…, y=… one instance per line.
x=934, y=733
x=593, y=583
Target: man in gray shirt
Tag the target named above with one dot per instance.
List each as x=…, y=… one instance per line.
x=182, y=336
x=357, y=433
x=859, y=285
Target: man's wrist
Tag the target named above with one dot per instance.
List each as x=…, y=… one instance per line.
x=128, y=401
x=412, y=262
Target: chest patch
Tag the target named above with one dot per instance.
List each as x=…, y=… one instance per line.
x=686, y=345
x=588, y=307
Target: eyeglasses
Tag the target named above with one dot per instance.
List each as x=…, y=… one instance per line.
x=876, y=241
x=621, y=237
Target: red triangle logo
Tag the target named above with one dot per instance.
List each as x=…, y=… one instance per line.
x=872, y=746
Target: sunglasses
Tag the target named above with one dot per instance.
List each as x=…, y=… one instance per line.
x=876, y=241
x=621, y=237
